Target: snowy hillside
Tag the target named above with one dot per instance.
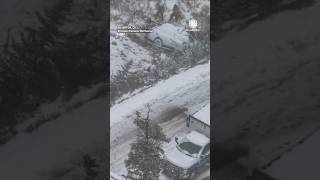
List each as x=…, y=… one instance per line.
x=123, y=50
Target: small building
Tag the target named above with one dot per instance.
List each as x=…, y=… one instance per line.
x=200, y=121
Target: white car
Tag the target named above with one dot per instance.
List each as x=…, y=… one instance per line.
x=190, y=154
x=170, y=36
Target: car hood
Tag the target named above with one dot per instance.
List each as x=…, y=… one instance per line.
x=175, y=36
x=182, y=39
x=180, y=159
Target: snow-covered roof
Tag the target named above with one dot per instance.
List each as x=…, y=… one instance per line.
x=203, y=114
x=198, y=138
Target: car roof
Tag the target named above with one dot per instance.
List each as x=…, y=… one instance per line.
x=198, y=138
x=168, y=26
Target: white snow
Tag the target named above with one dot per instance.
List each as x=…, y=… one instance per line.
x=163, y=90
x=171, y=35
x=123, y=50
x=198, y=138
x=203, y=114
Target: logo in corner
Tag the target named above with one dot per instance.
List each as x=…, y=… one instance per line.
x=193, y=23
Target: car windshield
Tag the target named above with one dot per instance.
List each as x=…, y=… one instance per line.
x=189, y=147
x=180, y=30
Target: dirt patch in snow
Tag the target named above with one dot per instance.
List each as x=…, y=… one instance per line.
x=169, y=113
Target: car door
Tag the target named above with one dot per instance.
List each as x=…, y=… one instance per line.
x=176, y=40
x=205, y=156
x=169, y=37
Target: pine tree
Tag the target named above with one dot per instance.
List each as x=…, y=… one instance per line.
x=146, y=153
x=159, y=16
x=176, y=14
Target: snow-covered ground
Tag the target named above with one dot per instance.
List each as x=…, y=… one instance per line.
x=124, y=50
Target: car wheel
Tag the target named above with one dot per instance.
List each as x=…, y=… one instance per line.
x=158, y=42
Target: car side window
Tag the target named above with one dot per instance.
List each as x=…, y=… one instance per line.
x=206, y=149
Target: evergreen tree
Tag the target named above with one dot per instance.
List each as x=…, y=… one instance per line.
x=159, y=16
x=144, y=159
x=176, y=14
